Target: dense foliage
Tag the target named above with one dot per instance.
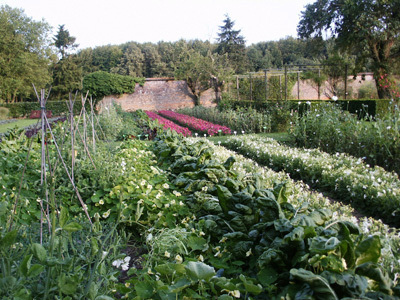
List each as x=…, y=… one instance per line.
x=367, y=28
x=100, y=84
x=332, y=130
x=25, y=54
x=178, y=218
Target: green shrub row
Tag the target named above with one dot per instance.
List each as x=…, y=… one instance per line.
x=58, y=108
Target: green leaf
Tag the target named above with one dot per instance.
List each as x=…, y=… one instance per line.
x=103, y=297
x=225, y=297
x=94, y=246
x=319, y=285
x=225, y=198
x=267, y=276
x=323, y=245
x=250, y=286
x=72, y=227
x=169, y=268
x=39, y=252
x=180, y=285
x=26, y=265
x=64, y=216
x=373, y=271
x=144, y=289
x=68, y=284
x=197, y=243
x=199, y=271
x=369, y=250
x=35, y=270
x=9, y=239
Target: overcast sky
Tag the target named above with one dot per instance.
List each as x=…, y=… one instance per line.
x=102, y=22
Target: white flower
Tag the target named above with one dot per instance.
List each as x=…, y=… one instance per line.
x=200, y=258
x=106, y=214
x=178, y=259
x=149, y=237
x=177, y=194
x=101, y=202
x=166, y=186
x=143, y=182
x=248, y=253
x=235, y=293
x=167, y=254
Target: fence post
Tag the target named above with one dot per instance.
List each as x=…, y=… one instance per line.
x=266, y=85
x=285, y=82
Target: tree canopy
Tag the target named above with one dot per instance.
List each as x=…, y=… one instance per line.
x=233, y=44
x=25, y=54
x=367, y=28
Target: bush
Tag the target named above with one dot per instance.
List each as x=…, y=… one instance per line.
x=100, y=84
x=4, y=113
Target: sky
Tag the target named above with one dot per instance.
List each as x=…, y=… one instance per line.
x=103, y=22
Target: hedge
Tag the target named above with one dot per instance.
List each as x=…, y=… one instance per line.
x=58, y=108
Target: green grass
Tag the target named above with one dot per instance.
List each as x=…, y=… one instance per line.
x=20, y=124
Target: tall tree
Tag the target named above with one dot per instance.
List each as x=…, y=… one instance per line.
x=369, y=28
x=25, y=54
x=67, y=73
x=233, y=44
x=63, y=41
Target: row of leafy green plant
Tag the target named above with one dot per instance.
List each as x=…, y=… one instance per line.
x=376, y=141
x=369, y=189
x=246, y=240
x=179, y=219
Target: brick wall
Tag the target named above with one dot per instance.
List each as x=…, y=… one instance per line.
x=160, y=94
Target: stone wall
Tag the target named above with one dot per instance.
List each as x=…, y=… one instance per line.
x=160, y=94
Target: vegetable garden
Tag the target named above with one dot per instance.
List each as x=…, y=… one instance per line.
x=144, y=205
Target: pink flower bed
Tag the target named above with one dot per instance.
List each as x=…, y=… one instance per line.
x=195, y=124
x=169, y=124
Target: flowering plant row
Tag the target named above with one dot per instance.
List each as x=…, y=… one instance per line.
x=168, y=124
x=372, y=190
x=195, y=124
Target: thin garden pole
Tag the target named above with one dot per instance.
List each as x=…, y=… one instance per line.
x=285, y=82
x=69, y=176
x=251, y=87
x=237, y=87
x=266, y=85
x=298, y=85
x=280, y=87
x=92, y=119
x=71, y=120
x=319, y=84
x=346, y=70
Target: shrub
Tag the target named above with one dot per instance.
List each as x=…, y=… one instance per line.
x=4, y=113
x=100, y=84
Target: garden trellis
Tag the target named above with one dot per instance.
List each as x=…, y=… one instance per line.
x=263, y=82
